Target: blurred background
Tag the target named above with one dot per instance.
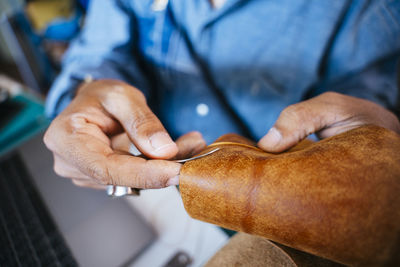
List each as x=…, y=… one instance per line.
x=33, y=37
x=44, y=219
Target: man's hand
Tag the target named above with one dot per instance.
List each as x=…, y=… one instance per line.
x=80, y=139
x=326, y=115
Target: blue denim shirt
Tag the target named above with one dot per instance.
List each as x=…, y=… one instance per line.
x=234, y=69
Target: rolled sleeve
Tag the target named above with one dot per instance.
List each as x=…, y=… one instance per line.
x=365, y=53
x=376, y=83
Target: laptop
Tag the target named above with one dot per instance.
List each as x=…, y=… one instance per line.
x=99, y=230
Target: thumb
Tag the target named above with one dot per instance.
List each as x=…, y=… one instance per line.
x=296, y=122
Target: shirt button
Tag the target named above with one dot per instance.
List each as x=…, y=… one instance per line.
x=159, y=5
x=202, y=109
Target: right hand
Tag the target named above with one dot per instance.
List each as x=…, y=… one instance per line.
x=80, y=139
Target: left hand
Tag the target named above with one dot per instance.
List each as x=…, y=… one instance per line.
x=188, y=145
x=326, y=115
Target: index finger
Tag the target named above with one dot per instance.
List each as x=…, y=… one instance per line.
x=128, y=106
x=95, y=158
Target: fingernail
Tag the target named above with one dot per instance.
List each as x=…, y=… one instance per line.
x=160, y=141
x=173, y=181
x=272, y=138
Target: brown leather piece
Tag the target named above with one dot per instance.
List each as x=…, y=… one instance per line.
x=338, y=198
x=246, y=250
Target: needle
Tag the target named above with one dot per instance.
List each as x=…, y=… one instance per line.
x=120, y=191
x=197, y=157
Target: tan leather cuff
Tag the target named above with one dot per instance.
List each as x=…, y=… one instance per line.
x=248, y=251
x=338, y=198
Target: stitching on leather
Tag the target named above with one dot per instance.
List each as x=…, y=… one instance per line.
x=235, y=144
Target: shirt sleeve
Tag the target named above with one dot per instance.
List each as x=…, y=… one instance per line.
x=104, y=49
x=363, y=58
x=377, y=83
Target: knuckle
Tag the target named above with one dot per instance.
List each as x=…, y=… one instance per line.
x=156, y=180
x=163, y=181
x=138, y=95
x=75, y=123
x=48, y=139
x=120, y=89
x=61, y=128
x=295, y=112
x=330, y=94
x=105, y=172
x=143, y=120
x=139, y=178
x=111, y=174
x=331, y=97
x=108, y=177
x=100, y=173
x=195, y=134
x=59, y=170
x=142, y=182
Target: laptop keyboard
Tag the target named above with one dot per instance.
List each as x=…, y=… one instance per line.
x=28, y=235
